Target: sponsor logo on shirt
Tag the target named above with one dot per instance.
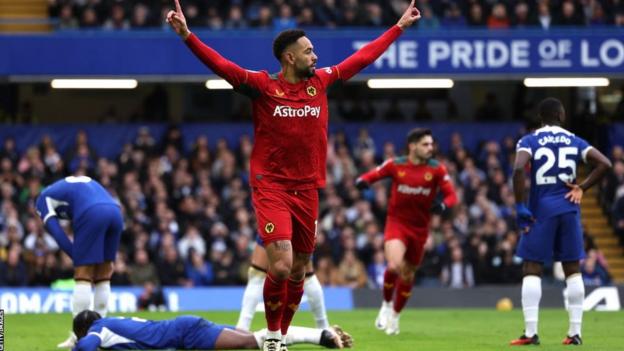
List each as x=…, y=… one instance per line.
x=409, y=190
x=306, y=111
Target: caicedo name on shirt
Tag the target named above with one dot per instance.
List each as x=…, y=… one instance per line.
x=552, y=139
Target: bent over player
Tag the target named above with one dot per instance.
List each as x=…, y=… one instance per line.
x=97, y=224
x=416, y=179
x=288, y=161
x=550, y=226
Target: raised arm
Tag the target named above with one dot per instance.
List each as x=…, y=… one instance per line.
x=380, y=172
x=226, y=69
x=371, y=51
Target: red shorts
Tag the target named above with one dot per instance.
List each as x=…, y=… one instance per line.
x=414, y=238
x=287, y=215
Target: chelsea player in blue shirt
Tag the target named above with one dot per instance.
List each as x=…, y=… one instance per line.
x=550, y=226
x=186, y=333
x=97, y=224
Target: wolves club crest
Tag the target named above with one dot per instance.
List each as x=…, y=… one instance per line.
x=269, y=228
x=311, y=91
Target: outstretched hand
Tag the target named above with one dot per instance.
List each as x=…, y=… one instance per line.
x=177, y=21
x=411, y=15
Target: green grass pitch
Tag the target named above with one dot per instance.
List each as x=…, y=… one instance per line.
x=421, y=329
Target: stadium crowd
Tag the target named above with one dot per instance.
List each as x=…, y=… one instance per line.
x=188, y=219
x=282, y=14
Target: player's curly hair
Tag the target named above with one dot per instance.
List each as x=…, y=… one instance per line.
x=83, y=321
x=285, y=39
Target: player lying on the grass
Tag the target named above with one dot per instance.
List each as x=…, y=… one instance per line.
x=257, y=273
x=187, y=333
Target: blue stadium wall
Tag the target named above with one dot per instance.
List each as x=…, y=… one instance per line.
x=470, y=54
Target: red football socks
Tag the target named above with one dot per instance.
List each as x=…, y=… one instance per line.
x=390, y=279
x=274, y=296
x=293, y=298
x=404, y=291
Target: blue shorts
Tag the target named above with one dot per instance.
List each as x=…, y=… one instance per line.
x=558, y=238
x=259, y=241
x=197, y=333
x=96, y=235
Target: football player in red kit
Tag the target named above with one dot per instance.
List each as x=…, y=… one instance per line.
x=288, y=161
x=416, y=179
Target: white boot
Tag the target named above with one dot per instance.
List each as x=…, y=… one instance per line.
x=69, y=343
x=272, y=345
x=384, y=313
x=393, y=324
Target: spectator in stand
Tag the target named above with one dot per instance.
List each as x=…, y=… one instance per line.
x=569, y=15
x=457, y=273
x=174, y=199
x=198, y=270
x=498, y=19
x=351, y=271
x=594, y=274
x=13, y=271
x=453, y=17
x=522, y=16
x=143, y=271
x=544, y=16
x=475, y=15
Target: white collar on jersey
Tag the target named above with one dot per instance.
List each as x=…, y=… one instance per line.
x=552, y=129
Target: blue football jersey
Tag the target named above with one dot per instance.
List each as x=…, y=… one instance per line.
x=69, y=198
x=555, y=154
x=139, y=334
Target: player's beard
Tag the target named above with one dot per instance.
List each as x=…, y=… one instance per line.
x=306, y=72
x=424, y=157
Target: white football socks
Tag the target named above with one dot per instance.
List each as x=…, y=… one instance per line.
x=101, y=293
x=576, y=295
x=316, y=299
x=82, y=297
x=251, y=297
x=531, y=295
x=298, y=335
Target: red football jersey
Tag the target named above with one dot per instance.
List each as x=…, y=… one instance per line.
x=290, y=120
x=414, y=187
